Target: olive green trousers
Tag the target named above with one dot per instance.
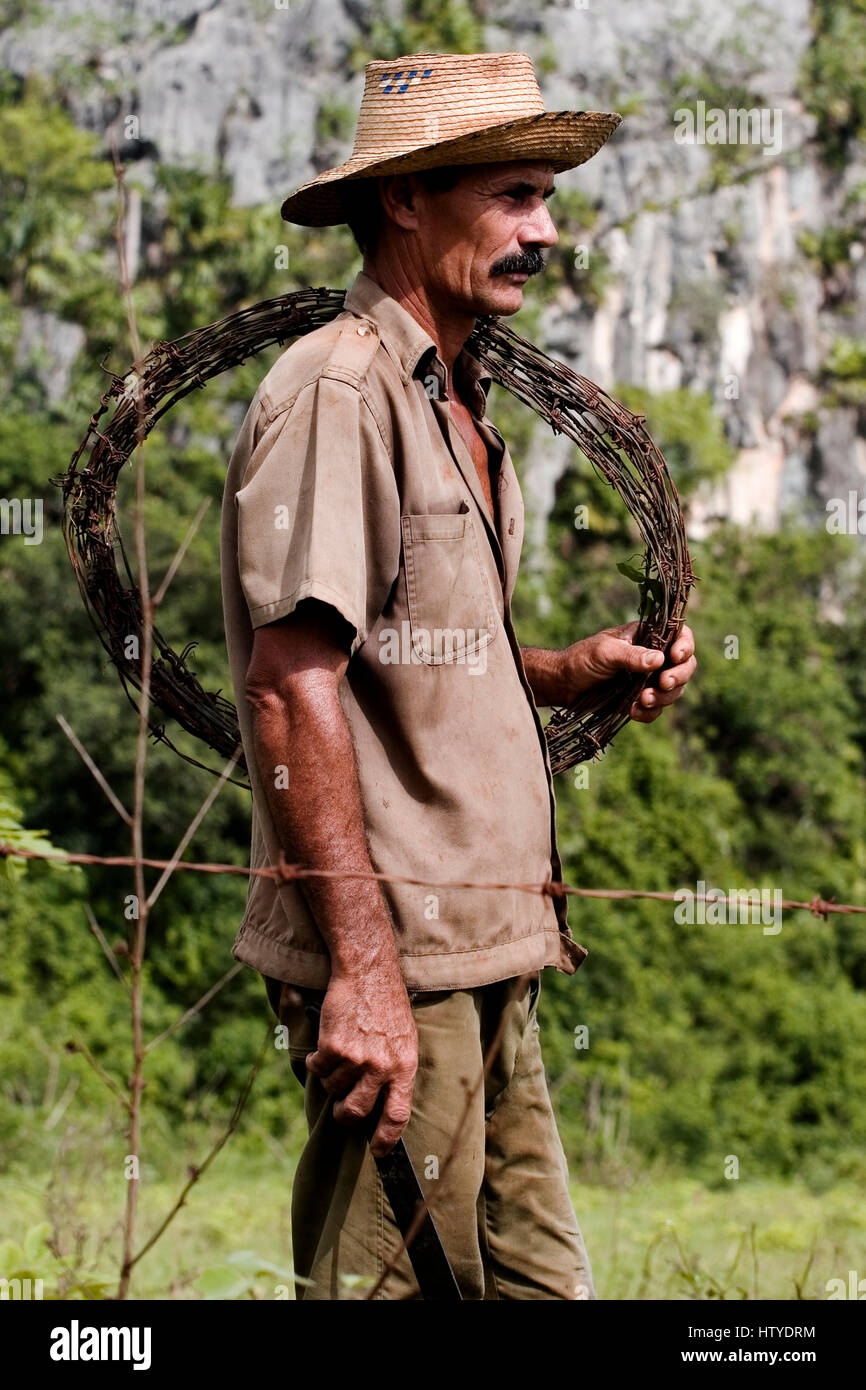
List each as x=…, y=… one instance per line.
x=484, y=1143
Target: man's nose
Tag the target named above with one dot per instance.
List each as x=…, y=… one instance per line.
x=539, y=229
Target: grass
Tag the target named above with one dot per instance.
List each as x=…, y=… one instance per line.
x=673, y=1239
x=662, y=1236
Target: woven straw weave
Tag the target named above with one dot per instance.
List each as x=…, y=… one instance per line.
x=427, y=110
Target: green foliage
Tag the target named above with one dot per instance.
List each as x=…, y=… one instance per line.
x=651, y=590
x=655, y=1236
x=13, y=833
x=244, y=1274
x=846, y=358
x=422, y=26
x=686, y=429
x=56, y=985
x=48, y=1275
x=335, y=120
x=214, y=256
x=574, y=262
x=630, y=104
x=832, y=252
x=833, y=76
x=48, y=171
x=21, y=13
x=584, y=268
x=845, y=369
x=829, y=249
x=707, y=1041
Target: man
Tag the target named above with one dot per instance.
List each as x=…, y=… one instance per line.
x=372, y=527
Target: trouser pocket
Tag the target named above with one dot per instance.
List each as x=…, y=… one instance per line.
x=289, y=1003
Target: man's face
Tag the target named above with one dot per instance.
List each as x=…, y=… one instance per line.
x=480, y=241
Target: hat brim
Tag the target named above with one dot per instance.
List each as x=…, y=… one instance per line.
x=562, y=138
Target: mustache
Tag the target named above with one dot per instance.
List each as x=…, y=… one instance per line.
x=526, y=263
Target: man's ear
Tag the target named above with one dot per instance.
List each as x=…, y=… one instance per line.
x=397, y=192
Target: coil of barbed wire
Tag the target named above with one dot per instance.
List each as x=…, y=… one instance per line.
x=612, y=438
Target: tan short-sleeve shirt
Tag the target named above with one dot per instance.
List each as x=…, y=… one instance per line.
x=350, y=484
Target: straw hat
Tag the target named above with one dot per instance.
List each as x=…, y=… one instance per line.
x=427, y=110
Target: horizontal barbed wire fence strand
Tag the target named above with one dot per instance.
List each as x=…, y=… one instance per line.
x=285, y=872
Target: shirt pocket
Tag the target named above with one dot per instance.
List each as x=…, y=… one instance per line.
x=451, y=611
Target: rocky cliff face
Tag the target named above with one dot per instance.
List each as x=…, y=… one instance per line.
x=732, y=252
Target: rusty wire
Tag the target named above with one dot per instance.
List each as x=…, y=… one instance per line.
x=284, y=872
x=613, y=439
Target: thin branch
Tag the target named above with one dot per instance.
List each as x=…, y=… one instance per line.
x=196, y=1008
x=78, y=1046
x=196, y=1173
x=145, y=659
x=179, y=554
x=63, y=1104
x=193, y=826
x=86, y=758
x=109, y=954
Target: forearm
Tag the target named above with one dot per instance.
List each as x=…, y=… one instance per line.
x=319, y=820
x=546, y=676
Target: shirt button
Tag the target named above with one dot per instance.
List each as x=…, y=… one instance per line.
x=363, y=331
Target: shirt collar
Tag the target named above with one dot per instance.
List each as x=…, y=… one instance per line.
x=411, y=346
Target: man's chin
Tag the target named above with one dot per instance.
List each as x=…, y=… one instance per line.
x=504, y=295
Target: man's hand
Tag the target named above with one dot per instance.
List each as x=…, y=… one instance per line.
x=557, y=678
x=368, y=1044
x=597, y=658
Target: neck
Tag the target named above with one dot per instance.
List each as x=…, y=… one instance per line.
x=448, y=329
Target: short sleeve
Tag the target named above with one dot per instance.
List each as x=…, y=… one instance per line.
x=318, y=513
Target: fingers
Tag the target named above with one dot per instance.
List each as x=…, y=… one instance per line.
x=337, y=1074
x=323, y=1061
x=620, y=654
x=394, y=1118
x=614, y=650
x=359, y=1101
x=640, y=714
x=682, y=654
x=341, y=1079
x=678, y=675
x=396, y=1111
x=684, y=646
x=650, y=703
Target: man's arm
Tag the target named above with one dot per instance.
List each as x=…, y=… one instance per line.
x=558, y=677
x=367, y=1036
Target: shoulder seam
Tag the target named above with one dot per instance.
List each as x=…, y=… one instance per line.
x=271, y=409
x=375, y=415
x=350, y=357
x=356, y=346
x=271, y=412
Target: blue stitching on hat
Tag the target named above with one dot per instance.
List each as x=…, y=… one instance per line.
x=390, y=80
